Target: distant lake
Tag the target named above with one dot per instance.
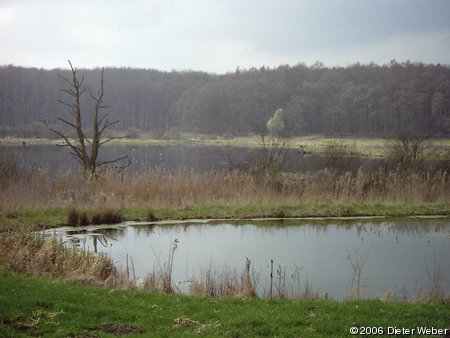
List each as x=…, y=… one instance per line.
x=198, y=158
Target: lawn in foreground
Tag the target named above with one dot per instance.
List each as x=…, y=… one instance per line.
x=40, y=307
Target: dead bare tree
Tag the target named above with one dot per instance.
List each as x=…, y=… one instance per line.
x=84, y=149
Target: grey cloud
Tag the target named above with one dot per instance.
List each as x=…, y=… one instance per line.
x=219, y=35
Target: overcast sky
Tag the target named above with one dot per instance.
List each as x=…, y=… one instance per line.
x=219, y=35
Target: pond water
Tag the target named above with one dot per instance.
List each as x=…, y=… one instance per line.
x=402, y=256
x=199, y=158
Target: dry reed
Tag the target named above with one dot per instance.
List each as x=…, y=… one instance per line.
x=183, y=189
x=29, y=253
x=226, y=283
x=160, y=279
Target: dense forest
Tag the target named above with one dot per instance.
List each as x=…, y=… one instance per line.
x=358, y=100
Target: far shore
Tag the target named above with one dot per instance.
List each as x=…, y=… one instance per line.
x=372, y=147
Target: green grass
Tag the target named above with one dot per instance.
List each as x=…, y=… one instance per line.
x=43, y=217
x=41, y=307
x=34, y=218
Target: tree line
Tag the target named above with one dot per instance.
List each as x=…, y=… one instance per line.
x=358, y=100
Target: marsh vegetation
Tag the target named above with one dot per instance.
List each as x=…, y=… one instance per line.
x=406, y=175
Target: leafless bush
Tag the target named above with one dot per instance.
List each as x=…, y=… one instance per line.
x=341, y=157
x=265, y=162
x=407, y=153
x=271, y=155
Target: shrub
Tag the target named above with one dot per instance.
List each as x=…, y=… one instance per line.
x=269, y=158
x=407, y=153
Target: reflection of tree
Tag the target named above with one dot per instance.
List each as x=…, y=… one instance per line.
x=113, y=233
x=99, y=238
x=104, y=236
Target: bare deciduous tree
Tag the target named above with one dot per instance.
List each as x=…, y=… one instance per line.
x=84, y=149
x=407, y=152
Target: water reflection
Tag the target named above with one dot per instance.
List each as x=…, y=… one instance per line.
x=400, y=257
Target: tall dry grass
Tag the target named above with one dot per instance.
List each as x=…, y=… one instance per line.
x=160, y=279
x=378, y=186
x=183, y=189
x=226, y=283
x=29, y=253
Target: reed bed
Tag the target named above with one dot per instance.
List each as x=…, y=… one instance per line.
x=182, y=189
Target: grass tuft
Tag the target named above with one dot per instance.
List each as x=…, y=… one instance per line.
x=150, y=217
x=109, y=216
x=73, y=217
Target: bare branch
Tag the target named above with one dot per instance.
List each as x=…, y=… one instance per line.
x=65, y=79
x=81, y=82
x=68, y=91
x=66, y=139
x=106, y=125
x=69, y=123
x=112, y=161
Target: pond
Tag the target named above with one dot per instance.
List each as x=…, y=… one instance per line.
x=403, y=257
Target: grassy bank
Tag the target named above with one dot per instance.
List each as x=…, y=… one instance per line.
x=52, y=217
x=42, y=307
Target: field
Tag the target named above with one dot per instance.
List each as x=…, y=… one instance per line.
x=42, y=307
